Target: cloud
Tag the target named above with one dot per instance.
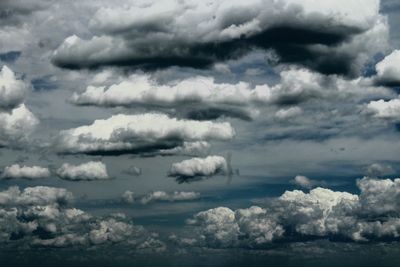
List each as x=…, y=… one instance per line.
x=377, y=169
x=284, y=114
x=16, y=126
x=374, y=214
x=157, y=196
x=133, y=171
x=305, y=182
x=190, y=33
x=42, y=216
x=196, y=97
x=12, y=90
x=90, y=171
x=388, y=70
x=385, y=109
x=136, y=134
x=27, y=172
x=197, y=168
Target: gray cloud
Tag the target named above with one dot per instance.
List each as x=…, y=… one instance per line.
x=388, y=70
x=40, y=216
x=154, y=35
x=89, y=171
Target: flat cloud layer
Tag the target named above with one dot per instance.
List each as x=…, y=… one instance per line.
x=373, y=214
x=189, y=33
x=140, y=133
x=93, y=170
x=27, y=172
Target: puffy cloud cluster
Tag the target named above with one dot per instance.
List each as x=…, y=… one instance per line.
x=388, y=70
x=27, y=172
x=189, y=33
x=41, y=216
x=92, y=170
x=373, y=214
x=144, y=133
x=197, y=168
x=156, y=196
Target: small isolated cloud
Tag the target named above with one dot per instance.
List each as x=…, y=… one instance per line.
x=140, y=134
x=198, y=168
x=377, y=169
x=26, y=172
x=90, y=171
x=388, y=70
x=304, y=181
x=285, y=114
x=12, y=90
x=133, y=171
x=159, y=196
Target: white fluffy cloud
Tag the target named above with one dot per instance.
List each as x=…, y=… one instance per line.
x=27, y=172
x=388, y=70
x=373, y=214
x=385, y=109
x=195, y=33
x=12, y=90
x=156, y=196
x=16, y=126
x=140, y=134
x=92, y=170
x=39, y=195
x=199, y=167
x=304, y=181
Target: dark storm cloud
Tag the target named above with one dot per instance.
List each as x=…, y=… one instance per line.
x=218, y=32
x=13, y=12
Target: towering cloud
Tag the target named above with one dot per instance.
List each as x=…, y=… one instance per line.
x=143, y=133
x=12, y=90
x=190, y=33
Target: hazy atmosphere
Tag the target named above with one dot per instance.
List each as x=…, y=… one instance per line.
x=199, y=133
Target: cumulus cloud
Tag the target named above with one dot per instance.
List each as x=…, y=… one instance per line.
x=16, y=126
x=196, y=34
x=12, y=90
x=197, y=168
x=41, y=216
x=288, y=113
x=157, y=196
x=133, y=171
x=90, y=171
x=304, y=181
x=373, y=214
x=388, y=70
x=27, y=172
x=144, y=133
x=382, y=109
x=196, y=97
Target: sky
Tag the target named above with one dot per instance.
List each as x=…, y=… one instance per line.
x=180, y=132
